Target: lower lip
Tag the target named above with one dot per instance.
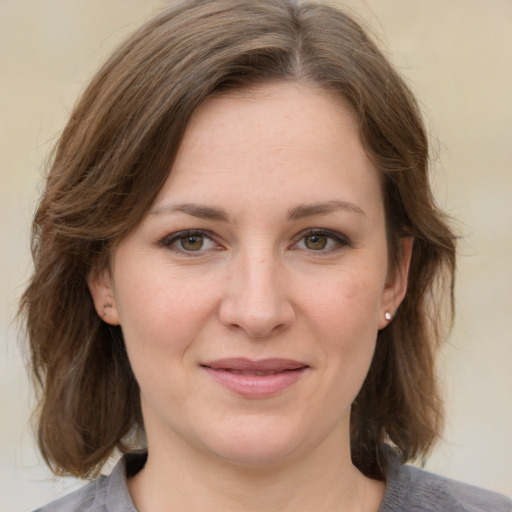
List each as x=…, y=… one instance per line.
x=256, y=386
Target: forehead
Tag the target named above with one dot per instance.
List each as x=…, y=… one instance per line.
x=288, y=109
x=271, y=143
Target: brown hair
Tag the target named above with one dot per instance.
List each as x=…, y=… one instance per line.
x=114, y=156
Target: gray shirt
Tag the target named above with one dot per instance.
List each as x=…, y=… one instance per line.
x=408, y=489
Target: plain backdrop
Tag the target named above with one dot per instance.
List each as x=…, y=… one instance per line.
x=457, y=57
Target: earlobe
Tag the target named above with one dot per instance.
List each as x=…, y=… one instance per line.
x=102, y=293
x=396, y=285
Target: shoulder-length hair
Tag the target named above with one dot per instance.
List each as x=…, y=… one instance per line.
x=115, y=154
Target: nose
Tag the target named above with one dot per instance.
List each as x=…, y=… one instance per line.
x=256, y=297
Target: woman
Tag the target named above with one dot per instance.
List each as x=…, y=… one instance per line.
x=236, y=257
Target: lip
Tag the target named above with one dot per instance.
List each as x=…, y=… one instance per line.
x=255, y=379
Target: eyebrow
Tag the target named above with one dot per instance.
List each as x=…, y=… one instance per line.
x=310, y=210
x=220, y=215
x=202, y=212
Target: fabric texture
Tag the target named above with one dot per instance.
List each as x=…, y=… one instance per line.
x=408, y=489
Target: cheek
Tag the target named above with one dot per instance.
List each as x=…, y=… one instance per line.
x=161, y=311
x=344, y=317
x=348, y=303
x=159, y=326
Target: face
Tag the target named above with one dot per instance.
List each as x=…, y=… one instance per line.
x=251, y=294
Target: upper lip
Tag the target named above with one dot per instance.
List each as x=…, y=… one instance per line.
x=248, y=365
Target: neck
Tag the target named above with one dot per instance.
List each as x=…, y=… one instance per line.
x=177, y=477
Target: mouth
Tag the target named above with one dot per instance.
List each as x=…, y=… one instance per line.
x=256, y=379
x=253, y=372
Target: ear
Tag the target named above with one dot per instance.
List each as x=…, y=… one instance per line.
x=100, y=286
x=396, y=283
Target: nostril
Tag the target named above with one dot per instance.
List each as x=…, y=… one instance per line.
x=257, y=324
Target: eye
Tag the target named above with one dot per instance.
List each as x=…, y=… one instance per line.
x=321, y=241
x=190, y=242
x=316, y=242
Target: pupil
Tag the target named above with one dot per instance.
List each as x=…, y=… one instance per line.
x=192, y=243
x=316, y=242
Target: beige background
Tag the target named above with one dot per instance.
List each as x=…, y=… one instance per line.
x=457, y=56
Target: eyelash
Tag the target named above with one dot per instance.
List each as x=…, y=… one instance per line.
x=174, y=238
x=339, y=240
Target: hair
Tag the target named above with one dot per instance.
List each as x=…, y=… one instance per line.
x=114, y=156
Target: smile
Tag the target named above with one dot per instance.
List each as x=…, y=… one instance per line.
x=250, y=372
x=255, y=379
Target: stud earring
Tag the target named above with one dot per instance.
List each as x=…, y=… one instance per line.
x=106, y=306
x=387, y=316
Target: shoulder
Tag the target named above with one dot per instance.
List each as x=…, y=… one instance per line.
x=430, y=492
x=87, y=499
x=105, y=494
x=410, y=488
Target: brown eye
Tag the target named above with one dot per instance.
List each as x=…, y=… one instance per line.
x=316, y=242
x=192, y=242
x=322, y=241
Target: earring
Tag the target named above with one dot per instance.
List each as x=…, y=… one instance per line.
x=387, y=316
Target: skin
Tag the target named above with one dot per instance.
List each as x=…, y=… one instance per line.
x=260, y=286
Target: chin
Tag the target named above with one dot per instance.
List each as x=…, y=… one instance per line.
x=257, y=444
